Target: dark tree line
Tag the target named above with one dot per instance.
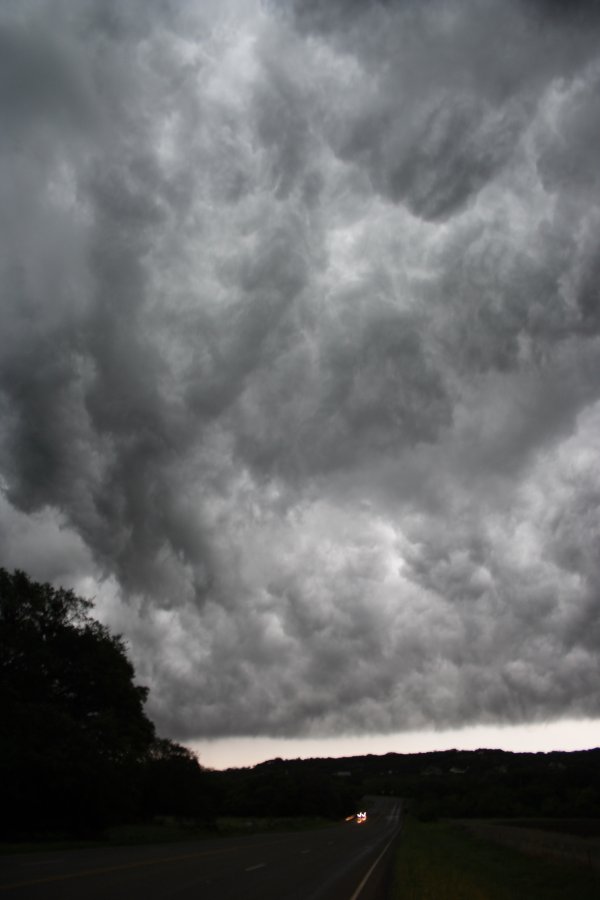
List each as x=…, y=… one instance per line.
x=486, y=783
x=287, y=788
x=77, y=751
x=452, y=784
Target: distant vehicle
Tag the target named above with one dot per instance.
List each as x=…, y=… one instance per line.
x=360, y=818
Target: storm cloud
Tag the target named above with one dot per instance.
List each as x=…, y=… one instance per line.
x=300, y=352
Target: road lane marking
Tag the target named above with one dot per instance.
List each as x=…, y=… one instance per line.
x=102, y=870
x=67, y=876
x=358, y=890
x=258, y=866
x=107, y=869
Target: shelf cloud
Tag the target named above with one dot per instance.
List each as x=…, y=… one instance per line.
x=300, y=352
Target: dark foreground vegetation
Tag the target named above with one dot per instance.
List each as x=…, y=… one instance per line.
x=77, y=751
x=78, y=754
x=447, y=861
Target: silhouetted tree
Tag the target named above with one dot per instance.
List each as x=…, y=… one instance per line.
x=73, y=724
x=175, y=784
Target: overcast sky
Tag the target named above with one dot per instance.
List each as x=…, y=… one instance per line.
x=300, y=352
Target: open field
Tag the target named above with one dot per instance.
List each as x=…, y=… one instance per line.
x=445, y=861
x=585, y=828
x=571, y=842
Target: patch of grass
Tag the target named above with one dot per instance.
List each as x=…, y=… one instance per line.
x=439, y=861
x=10, y=847
x=584, y=828
x=158, y=832
x=169, y=830
x=254, y=824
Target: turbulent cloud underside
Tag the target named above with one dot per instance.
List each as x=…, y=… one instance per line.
x=300, y=352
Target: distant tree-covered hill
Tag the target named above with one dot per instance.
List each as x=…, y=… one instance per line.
x=453, y=783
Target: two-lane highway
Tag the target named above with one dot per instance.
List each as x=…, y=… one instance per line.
x=342, y=862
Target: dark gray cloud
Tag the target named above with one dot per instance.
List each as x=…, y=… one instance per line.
x=299, y=352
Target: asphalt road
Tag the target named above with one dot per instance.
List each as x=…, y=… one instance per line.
x=343, y=862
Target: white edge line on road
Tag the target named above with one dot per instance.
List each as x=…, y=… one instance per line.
x=358, y=890
x=252, y=868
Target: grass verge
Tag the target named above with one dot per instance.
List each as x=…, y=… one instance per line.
x=170, y=830
x=440, y=861
x=234, y=825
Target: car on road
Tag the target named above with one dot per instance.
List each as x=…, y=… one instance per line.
x=359, y=818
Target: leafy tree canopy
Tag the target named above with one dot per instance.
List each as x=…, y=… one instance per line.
x=74, y=732
x=55, y=655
